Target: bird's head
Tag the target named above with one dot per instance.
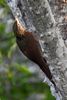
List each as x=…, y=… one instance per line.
x=18, y=28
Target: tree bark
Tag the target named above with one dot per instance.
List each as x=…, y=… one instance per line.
x=47, y=18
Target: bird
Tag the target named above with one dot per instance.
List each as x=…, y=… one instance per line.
x=30, y=47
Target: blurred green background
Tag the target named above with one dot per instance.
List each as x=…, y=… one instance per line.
x=18, y=81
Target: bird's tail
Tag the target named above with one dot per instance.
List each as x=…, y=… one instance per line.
x=45, y=68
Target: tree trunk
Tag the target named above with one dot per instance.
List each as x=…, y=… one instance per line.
x=48, y=19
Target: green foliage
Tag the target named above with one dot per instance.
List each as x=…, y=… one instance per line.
x=18, y=80
x=7, y=47
x=7, y=41
x=2, y=28
x=4, y=4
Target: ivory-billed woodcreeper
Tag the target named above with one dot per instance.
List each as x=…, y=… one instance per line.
x=30, y=47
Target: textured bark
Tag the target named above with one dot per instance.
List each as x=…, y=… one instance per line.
x=48, y=19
